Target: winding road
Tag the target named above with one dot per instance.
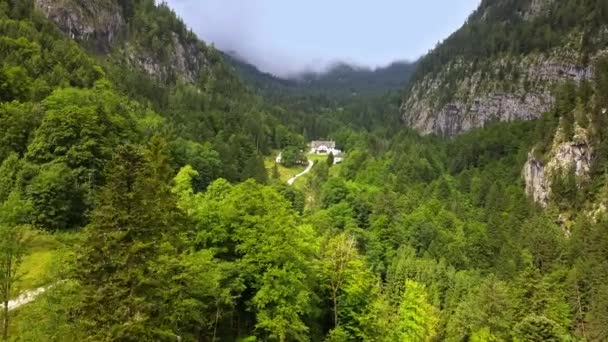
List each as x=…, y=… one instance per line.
x=25, y=297
x=293, y=179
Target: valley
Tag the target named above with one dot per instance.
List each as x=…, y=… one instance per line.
x=156, y=188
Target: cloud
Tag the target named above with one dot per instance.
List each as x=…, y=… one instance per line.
x=287, y=37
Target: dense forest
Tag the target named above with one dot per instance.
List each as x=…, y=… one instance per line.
x=143, y=209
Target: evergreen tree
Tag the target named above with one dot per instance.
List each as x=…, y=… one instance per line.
x=117, y=266
x=538, y=329
x=330, y=159
x=275, y=171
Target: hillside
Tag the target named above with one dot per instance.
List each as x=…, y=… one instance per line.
x=504, y=62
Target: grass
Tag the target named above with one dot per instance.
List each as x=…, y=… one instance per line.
x=300, y=184
x=40, y=267
x=284, y=173
x=36, y=266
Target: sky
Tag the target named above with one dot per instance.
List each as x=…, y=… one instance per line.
x=285, y=37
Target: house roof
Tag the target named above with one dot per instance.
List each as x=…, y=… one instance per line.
x=319, y=143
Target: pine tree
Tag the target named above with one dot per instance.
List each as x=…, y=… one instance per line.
x=275, y=172
x=136, y=214
x=538, y=329
x=330, y=159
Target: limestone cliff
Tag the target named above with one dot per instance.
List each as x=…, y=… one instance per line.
x=493, y=69
x=97, y=22
x=102, y=26
x=563, y=156
x=479, y=96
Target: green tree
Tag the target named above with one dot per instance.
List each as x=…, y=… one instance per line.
x=339, y=257
x=57, y=201
x=17, y=124
x=292, y=156
x=119, y=264
x=255, y=169
x=330, y=159
x=538, y=329
x=9, y=174
x=81, y=128
x=203, y=158
x=275, y=171
x=417, y=318
x=14, y=219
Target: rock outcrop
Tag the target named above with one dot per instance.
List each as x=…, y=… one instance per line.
x=564, y=156
x=464, y=96
x=100, y=24
x=537, y=184
x=97, y=22
x=502, y=65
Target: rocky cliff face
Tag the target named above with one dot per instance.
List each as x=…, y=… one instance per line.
x=537, y=184
x=100, y=24
x=185, y=60
x=501, y=65
x=507, y=89
x=538, y=175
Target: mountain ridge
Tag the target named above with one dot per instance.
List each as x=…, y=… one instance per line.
x=503, y=63
x=341, y=79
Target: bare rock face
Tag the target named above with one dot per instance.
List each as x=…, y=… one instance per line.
x=99, y=22
x=502, y=90
x=186, y=60
x=538, y=176
x=537, y=184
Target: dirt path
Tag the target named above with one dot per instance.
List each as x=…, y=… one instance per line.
x=25, y=297
x=293, y=179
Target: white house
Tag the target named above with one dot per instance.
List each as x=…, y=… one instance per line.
x=324, y=147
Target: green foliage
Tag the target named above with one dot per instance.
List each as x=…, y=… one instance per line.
x=564, y=187
x=292, y=156
x=203, y=159
x=122, y=260
x=254, y=228
x=499, y=28
x=81, y=128
x=537, y=329
x=417, y=318
x=57, y=201
x=410, y=239
x=14, y=216
x=18, y=122
x=330, y=159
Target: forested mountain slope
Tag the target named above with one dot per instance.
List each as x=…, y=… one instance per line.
x=341, y=82
x=503, y=63
x=138, y=72
x=317, y=104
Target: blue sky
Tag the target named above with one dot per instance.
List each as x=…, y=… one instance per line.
x=288, y=36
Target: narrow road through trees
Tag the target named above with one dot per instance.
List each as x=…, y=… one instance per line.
x=293, y=179
x=25, y=297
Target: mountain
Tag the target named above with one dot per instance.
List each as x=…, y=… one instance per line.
x=140, y=199
x=145, y=72
x=503, y=63
x=340, y=81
